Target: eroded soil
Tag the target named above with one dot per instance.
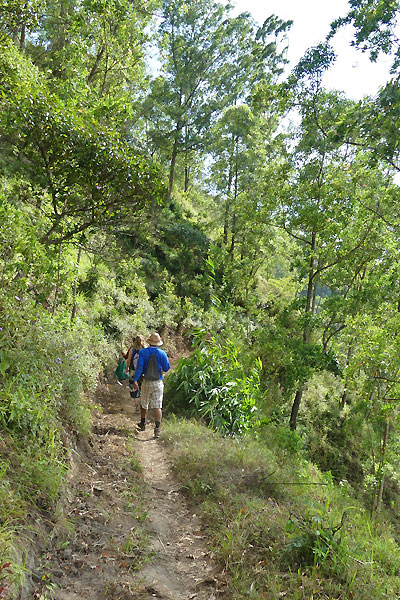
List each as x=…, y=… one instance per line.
x=126, y=535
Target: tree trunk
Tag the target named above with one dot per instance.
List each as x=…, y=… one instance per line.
x=94, y=69
x=178, y=129
x=187, y=177
x=234, y=217
x=58, y=280
x=233, y=237
x=187, y=166
x=314, y=298
x=382, y=464
x=295, y=408
x=306, y=332
x=22, y=37
x=172, y=165
x=344, y=395
x=228, y=198
x=310, y=287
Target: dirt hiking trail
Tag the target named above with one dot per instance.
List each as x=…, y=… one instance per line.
x=126, y=542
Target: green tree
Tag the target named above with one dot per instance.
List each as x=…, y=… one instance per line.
x=374, y=23
x=92, y=52
x=208, y=61
x=325, y=213
x=19, y=17
x=245, y=156
x=87, y=172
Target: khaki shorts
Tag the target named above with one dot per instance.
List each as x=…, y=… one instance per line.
x=151, y=395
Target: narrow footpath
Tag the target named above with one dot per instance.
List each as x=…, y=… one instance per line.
x=126, y=534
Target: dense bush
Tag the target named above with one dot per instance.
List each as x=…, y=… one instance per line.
x=48, y=368
x=213, y=384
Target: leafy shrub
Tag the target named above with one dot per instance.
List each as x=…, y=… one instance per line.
x=167, y=308
x=48, y=367
x=212, y=384
x=315, y=542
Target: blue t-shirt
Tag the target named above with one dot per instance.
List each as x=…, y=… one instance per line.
x=144, y=357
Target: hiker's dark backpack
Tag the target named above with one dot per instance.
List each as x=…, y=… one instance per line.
x=152, y=372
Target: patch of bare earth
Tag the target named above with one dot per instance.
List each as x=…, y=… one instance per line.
x=126, y=544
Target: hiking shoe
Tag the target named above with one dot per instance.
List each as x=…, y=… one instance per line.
x=141, y=426
x=157, y=431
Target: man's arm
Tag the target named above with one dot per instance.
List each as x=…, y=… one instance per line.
x=164, y=362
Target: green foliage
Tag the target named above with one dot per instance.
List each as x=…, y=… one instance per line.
x=47, y=368
x=374, y=22
x=315, y=61
x=90, y=173
x=213, y=384
x=18, y=15
x=201, y=79
x=286, y=243
x=182, y=249
x=273, y=536
x=312, y=542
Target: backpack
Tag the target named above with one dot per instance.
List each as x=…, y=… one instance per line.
x=120, y=371
x=153, y=371
x=131, y=365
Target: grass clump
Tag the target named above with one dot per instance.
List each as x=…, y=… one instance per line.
x=278, y=526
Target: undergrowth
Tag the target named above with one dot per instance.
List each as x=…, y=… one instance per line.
x=277, y=525
x=48, y=369
x=213, y=383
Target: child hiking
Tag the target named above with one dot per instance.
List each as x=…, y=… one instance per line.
x=131, y=357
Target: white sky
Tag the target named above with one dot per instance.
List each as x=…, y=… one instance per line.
x=353, y=72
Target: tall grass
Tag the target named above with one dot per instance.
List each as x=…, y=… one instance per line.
x=277, y=525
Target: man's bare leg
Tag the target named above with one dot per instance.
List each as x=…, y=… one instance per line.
x=157, y=415
x=157, y=419
x=142, y=425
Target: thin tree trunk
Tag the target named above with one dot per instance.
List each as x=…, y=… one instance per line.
x=227, y=207
x=58, y=280
x=95, y=66
x=187, y=166
x=382, y=464
x=22, y=37
x=295, y=408
x=234, y=218
x=314, y=297
x=172, y=165
x=306, y=332
x=228, y=193
x=233, y=237
x=187, y=177
x=310, y=285
x=178, y=129
x=344, y=395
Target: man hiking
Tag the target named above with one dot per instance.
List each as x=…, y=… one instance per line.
x=152, y=362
